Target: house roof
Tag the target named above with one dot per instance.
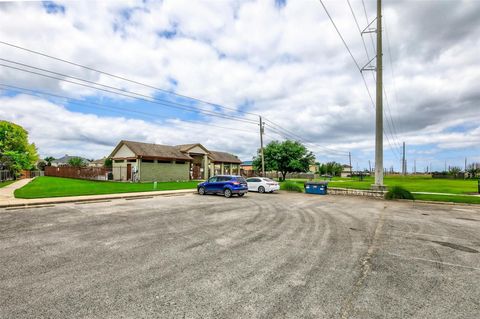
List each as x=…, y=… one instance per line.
x=153, y=150
x=66, y=158
x=224, y=157
x=188, y=147
x=247, y=163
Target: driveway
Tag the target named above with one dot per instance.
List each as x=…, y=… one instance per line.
x=261, y=256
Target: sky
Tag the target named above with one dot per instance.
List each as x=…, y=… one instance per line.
x=279, y=59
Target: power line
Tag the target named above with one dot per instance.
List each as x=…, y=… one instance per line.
x=356, y=64
x=124, y=78
x=340, y=35
x=390, y=125
x=95, y=105
x=121, y=92
x=287, y=136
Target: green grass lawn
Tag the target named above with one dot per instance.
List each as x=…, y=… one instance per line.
x=3, y=184
x=417, y=184
x=413, y=184
x=47, y=186
x=446, y=198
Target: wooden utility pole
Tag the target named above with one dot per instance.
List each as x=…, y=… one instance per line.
x=404, y=164
x=350, y=160
x=261, y=145
x=379, y=105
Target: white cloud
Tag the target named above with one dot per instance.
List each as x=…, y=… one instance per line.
x=288, y=61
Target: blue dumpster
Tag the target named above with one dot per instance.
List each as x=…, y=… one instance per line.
x=319, y=188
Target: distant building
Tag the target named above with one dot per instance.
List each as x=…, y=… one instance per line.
x=97, y=163
x=63, y=161
x=346, y=171
x=246, y=168
x=154, y=162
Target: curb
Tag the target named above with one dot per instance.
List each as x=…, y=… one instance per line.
x=63, y=200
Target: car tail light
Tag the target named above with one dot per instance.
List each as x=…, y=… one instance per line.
x=236, y=183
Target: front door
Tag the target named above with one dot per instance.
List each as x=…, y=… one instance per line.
x=196, y=171
x=129, y=172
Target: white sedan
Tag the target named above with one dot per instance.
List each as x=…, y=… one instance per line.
x=262, y=185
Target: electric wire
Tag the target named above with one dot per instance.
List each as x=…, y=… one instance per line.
x=358, y=67
x=388, y=116
x=137, y=96
x=119, y=110
x=124, y=78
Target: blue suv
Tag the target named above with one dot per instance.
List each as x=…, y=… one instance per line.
x=224, y=184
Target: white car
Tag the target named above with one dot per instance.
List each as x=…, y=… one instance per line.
x=262, y=185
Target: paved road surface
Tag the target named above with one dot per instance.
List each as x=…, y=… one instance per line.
x=261, y=256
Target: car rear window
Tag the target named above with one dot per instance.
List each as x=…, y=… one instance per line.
x=241, y=180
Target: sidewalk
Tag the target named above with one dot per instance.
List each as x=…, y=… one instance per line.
x=6, y=193
x=7, y=198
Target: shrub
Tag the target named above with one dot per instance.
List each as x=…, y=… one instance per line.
x=398, y=192
x=291, y=187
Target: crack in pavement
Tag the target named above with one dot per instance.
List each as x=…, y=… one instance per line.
x=365, y=268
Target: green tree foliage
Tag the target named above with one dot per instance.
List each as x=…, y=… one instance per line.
x=473, y=170
x=334, y=168
x=108, y=163
x=454, y=170
x=76, y=162
x=285, y=157
x=17, y=153
x=41, y=165
x=49, y=160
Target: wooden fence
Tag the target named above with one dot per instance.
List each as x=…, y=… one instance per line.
x=95, y=173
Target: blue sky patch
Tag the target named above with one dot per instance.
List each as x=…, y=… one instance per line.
x=280, y=3
x=53, y=8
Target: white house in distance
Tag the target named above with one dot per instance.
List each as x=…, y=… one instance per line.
x=154, y=162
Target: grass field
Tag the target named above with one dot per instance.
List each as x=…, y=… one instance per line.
x=418, y=184
x=412, y=183
x=46, y=186
x=3, y=184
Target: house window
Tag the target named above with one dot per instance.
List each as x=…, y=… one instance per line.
x=119, y=161
x=165, y=162
x=147, y=161
x=132, y=161
x=180, y=162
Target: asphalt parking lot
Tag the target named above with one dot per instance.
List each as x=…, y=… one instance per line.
x=261, y=256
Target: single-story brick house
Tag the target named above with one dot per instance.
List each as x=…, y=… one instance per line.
x=154, y=162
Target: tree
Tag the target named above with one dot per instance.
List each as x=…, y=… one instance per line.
x=108, y=163
x=334, y=168
x=454, y=170
x=41, y=165
x=285, y=157
x=473, y=170
x=49, y=160
x=76, y=162
x=15, y=148
x=322, y=169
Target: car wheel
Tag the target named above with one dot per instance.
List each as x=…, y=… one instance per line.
x=227, y=193
x=261, y=189
x=201, y=190
x=241, y=195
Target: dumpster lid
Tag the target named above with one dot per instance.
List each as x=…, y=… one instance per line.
x=316, y=183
